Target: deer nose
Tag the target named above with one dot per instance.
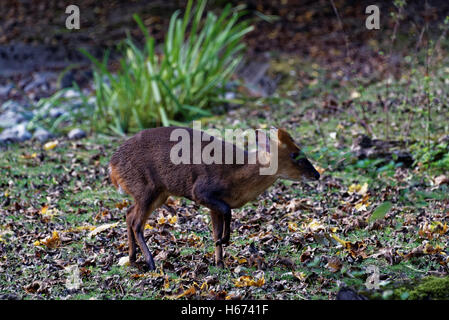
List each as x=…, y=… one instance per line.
x=317, y=175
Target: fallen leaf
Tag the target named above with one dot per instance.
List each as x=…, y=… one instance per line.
x=102, y=228
x=381, y=211
x=355, y=95
x=124, y=261
x=52, y=242
x=121, y=205
x=334, y=264
x=29, y=156
x=51, y=145
x=249, y=281
x=187, y=293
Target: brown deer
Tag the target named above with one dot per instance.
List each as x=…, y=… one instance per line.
x=142, y=168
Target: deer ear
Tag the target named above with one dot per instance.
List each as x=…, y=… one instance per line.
x=284, y=137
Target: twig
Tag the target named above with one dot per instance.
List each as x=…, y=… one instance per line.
x=364, y=123
x=385, y=108
x=417, y=47
x=385, y=105
x=341, y=27
x=427, y=82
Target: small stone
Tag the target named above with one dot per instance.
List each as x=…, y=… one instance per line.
x=229, y=95
x=42, y=135
x=5, y=90
x=71, y=93
x=11, y=105
x=18, y=133
x=57, y=112
x=10, y=118
x=76, y=134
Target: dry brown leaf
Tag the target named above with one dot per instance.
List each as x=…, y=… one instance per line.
x=334, y=264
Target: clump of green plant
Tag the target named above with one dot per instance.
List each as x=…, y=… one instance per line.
x=198, y=57
x=436, y=156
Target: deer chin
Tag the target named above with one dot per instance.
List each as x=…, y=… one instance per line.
x=285, y=177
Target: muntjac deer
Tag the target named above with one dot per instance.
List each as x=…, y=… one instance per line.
x=143, y=168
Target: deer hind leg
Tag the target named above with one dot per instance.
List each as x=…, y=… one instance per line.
x=227, y=227
x=217, y=231
x=131, y=238
x=143, y=209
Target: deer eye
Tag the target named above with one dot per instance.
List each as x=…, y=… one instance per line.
x=296, y=156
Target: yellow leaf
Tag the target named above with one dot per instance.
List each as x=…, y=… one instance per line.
x=242, y=260
x=292, y=226
x=301, y=276
x=363, y=189
x=44, y=209
x=53, y=241
x=121, y=205
x=314, y=225
x=148, y=227
x=172, y=219
x=26, y=156
x=194, y=240
x=260, y=282
x=80, y=228
x=342, y=242
x=248, y=281
x=37, y=243
x=50, y=145
x=360, y=206
x=161, y=219
x=189, y=292
x=166, y=282
x=353, y=188
x=319, y=169
x=204, y=286
x=101, y=228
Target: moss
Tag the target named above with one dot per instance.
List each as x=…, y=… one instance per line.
x=427, y=288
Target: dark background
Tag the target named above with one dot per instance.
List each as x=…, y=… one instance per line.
x=33, y=33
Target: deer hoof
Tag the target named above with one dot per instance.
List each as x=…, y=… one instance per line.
x=150, y=266
x=225, y=239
